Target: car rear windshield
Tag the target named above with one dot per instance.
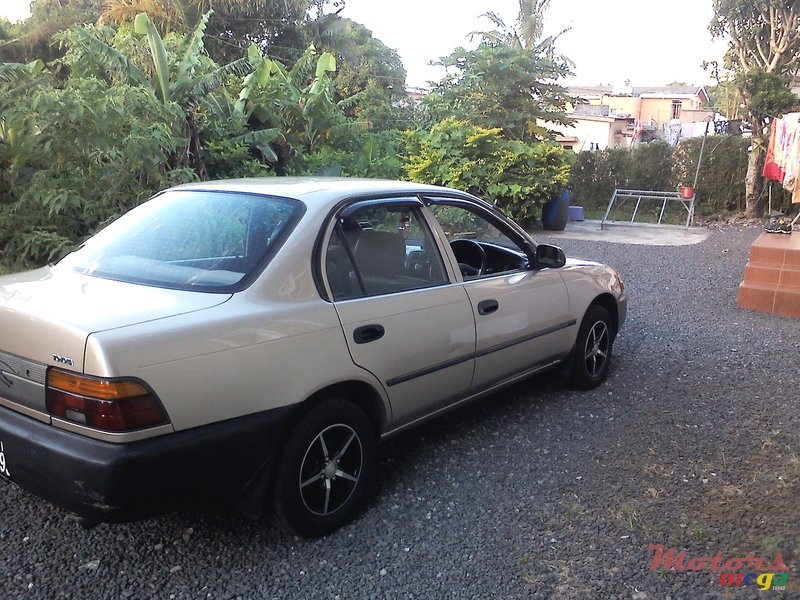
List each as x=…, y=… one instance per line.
x=188, y=239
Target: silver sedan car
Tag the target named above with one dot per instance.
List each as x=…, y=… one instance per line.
x=252, y=341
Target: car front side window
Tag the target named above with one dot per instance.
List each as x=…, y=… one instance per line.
x=481, y=247
x=382, y=248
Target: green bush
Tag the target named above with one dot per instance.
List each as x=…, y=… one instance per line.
x=376, y=158
x=516, y=176
x=94, y=151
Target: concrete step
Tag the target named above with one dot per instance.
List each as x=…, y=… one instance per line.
x=772, y=275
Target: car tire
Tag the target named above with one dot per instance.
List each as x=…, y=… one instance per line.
x=325, y=469
x=593, y=348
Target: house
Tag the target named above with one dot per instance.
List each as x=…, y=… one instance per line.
x=595, y=128
x=613, y=117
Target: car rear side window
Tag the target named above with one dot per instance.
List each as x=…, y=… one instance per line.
x=198, y=240
x=382, y=249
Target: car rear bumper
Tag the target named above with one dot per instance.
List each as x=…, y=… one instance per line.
x=122, y=482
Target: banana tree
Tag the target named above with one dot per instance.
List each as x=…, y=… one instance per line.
x=185, y=78
x=186, y=85
x=289, y=112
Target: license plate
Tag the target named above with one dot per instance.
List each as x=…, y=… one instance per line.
x=3, y=462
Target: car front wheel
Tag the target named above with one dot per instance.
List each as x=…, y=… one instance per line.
x=592, y=349
x=325, y=470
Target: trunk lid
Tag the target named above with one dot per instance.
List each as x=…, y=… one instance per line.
x=46, y=315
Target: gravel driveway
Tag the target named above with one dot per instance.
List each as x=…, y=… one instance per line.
x=536, y=492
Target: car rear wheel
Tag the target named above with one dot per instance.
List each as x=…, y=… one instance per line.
x=325, y=470
x=593, y=348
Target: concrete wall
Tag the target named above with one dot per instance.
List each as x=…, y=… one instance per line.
x=605, y=132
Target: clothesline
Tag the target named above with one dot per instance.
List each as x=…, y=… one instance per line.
x=675, y=130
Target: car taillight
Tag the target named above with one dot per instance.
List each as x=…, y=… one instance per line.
x=114, y=405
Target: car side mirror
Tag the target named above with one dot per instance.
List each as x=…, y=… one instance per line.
x=549, y=257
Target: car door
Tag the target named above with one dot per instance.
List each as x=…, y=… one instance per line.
x=403, y=318
x=522, y=315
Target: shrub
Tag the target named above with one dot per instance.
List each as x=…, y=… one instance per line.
x=95, y=152
x=516, y=176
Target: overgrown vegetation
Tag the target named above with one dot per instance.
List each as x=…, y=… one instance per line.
x=763, y=56
x=120, y=112
x=517, y=176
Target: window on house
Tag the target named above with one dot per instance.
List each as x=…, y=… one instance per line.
x=676, y=109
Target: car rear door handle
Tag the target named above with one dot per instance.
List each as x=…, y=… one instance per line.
x=487, y=306
x=368, y=333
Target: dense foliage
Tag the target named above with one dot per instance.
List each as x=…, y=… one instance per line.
x=516, y=176
x=501, y=87
x=58, y=188
x=122, y=112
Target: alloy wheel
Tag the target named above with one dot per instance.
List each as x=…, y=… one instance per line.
x=331, y=469
x=596, y=350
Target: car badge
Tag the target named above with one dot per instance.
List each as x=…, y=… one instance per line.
x=64, y=360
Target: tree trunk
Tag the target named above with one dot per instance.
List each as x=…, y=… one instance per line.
x=196, y=148
x=753, y=181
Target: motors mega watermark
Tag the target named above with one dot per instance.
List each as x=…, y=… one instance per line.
x=748, y=570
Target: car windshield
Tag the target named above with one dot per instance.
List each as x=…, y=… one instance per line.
x=186, y=239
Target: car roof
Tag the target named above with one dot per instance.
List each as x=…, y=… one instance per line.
x=319, y=191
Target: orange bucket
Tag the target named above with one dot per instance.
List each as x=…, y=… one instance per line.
x=687, y=192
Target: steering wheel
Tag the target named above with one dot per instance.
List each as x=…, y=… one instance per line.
x=470, y=255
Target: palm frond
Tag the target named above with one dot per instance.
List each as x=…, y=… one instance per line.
x=143, y=25
x=531, y=21
x=349, y=127
x=260, y=136
x=301, y=70
x=502, y=35
x=350, y=101
x=495, y=19
x=167, y=15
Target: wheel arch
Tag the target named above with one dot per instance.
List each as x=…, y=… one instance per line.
x=361, y=393
x=608, y=302
x=251, y=499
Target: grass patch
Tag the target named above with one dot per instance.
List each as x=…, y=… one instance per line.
x=773, y=544
x=627, y=514
x=700, y=534
x=647, y=213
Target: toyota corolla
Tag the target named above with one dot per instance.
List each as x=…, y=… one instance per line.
x=253, y=341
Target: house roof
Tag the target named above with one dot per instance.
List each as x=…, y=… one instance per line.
x=667, y=91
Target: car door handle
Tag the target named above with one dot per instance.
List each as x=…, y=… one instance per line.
x=487, y=306
x=368, y=333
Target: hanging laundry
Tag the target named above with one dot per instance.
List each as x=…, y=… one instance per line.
x=722, y=127
x=672, y=132
x=782, y=163
x=772, y=169
x=788, y=143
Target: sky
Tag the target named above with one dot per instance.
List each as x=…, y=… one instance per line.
x=648, y=42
